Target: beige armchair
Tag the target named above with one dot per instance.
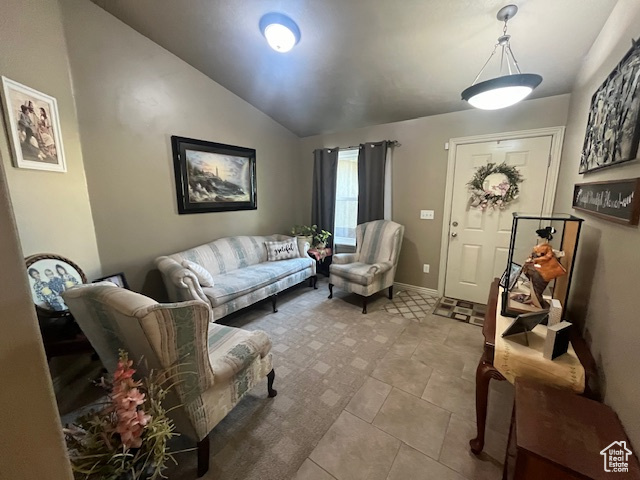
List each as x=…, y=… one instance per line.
x=373, y=267
x=217, y=364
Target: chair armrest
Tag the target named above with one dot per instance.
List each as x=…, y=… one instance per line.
x=182, y=279
x=380, y=267
x=342, y=258
x=245, y=346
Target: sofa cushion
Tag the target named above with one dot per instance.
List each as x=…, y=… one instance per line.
x=357, y=272
x=246, y=280
x=204, y=277
x=285, y=250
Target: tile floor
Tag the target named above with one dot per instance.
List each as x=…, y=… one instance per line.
x=414, y=415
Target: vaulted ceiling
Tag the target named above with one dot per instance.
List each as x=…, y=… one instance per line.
x=366, y=62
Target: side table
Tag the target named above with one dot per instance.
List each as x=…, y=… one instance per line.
x=486, y=371
x=556, y=434
x=322, y=258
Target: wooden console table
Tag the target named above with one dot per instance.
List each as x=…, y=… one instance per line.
x=486, y=371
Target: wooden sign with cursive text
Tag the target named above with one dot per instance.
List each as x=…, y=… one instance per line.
x=614, y=200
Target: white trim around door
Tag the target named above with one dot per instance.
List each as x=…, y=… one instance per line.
x=557, y=137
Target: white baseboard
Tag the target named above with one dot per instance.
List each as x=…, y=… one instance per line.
x=414, y=288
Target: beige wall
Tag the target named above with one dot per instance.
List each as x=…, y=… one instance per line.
x=52, y=209
x=31, y=443
x=605, y=291
x=420, y=168
x=132, y=95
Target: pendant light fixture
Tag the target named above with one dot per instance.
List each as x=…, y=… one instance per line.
x=508, y=89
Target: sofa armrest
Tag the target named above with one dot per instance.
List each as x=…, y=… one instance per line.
x=342, y=258
x=181, y=283
x=381, y=267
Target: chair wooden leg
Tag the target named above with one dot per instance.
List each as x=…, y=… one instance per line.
x=274, y=302
x=270, y=378
x=331, y=290
x=315, y=282
x=391, y=292
x=203, y=456
x=364, y=304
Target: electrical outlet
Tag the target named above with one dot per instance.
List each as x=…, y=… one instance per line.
x=425, y=268
x=426, y=214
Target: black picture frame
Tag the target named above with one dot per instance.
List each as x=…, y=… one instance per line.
x=613, y=126
x=213, y=177
x=49, y=276
x=513, y=275
x=117, y=278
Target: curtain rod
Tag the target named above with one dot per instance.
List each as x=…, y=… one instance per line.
x=393, y=143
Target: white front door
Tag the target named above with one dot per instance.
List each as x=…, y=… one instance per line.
x=479, y=241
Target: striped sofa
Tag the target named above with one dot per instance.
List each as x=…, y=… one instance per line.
x=216, y=365
x=240, y=272
x=373, y=266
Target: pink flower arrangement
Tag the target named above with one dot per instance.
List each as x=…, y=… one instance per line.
x=112, y=442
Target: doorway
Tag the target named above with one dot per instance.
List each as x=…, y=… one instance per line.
x=476, y=242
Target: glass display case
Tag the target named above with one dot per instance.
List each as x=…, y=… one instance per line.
x=542, y=252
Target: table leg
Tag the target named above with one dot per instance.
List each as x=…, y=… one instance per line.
x=484, y=374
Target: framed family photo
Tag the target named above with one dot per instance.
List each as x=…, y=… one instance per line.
x=34, y=127
x=49, y=276
x=213, y=177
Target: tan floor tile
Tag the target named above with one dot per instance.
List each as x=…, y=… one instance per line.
x=405, y=345
x=414, y=421
x=452, y=393
x=465, y=337
x=367, y=401
x=434, y=330
x=500, y=408
x=410, y=464
x=404, y=373
x=352, y=449
x=457, y=455
x=311, y=471
x=440, y=357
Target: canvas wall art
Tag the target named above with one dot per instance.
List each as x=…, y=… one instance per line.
x=213, y=177
x=613, y=129
x=34, y=127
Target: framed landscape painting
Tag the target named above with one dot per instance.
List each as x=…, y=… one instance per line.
x=613, y=127
x=34, y=127
x=213, y=177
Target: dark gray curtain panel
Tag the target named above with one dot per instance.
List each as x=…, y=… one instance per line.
x=325, y=174
x=371, y=165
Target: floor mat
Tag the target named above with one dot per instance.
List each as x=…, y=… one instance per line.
x=461, y=310
x=411, y=305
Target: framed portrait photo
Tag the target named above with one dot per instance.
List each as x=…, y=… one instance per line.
x=34, y=127
x=117, y=278
x=213, y=177
x=49, y=276
x=510, y=277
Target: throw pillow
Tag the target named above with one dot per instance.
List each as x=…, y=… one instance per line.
x=202, y=274
x=282, y=250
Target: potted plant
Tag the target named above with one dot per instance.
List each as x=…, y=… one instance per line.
x=305, y=232
x=126, y=438
x=321, y=238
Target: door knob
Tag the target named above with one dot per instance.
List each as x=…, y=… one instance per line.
x=455, y=224
x=454, y=234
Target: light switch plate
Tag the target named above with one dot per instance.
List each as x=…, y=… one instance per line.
x=426, y=214
x=425, y=268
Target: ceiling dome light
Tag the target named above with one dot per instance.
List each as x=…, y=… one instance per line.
x=281, y=32
x=509, y=89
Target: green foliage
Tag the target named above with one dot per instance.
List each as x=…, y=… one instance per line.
x=304, y=230
x=321, y=237
x=500, y=197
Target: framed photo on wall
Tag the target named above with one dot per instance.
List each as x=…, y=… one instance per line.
x=49, y=276
x=213, y=177
x=34, y=127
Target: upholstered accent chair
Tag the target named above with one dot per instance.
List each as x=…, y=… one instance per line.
x=373, y=267
x=216, y=365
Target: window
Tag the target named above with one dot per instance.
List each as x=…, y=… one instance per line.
x=346, y=198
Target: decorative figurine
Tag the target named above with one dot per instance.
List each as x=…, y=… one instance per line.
x=540, y=268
